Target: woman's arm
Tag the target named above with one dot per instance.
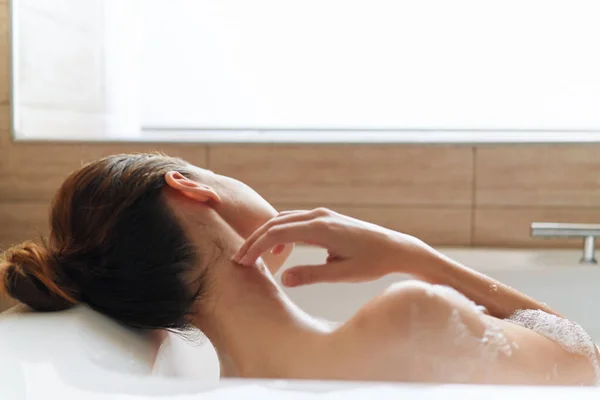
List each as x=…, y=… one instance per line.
x=361, y=251
x=499, y=299
x=456, y=343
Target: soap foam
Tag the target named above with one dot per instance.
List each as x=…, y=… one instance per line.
x=495, y=336
x=451, y=293
x=569, y=335
x=475, y=356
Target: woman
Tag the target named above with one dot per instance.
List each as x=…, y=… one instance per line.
x=157, y=243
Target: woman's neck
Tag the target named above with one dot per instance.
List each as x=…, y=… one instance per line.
x=255, y=328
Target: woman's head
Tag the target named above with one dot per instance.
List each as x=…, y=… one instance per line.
x=120, y=243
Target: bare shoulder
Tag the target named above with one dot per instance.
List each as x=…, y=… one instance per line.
x=407, y=305
x=397, y=330
x=415, y=323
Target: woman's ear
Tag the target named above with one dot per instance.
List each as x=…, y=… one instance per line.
x=190, y=188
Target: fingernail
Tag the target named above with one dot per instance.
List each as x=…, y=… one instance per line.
x=244, y=260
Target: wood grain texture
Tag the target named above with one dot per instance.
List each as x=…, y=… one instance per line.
x=34, y=171
x=437, y=226
x=538, y=175
x=4, y=53
x=353, y=174
x=22, y=221
x=510, y=227
x=5, y=129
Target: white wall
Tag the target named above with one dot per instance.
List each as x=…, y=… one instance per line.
x=59, y=55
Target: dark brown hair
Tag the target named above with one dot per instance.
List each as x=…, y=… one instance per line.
x=114, y=244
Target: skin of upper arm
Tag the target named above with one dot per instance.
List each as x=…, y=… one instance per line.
x=404, y=305
x=413, y=321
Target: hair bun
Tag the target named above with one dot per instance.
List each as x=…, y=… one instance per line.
x=29, y=275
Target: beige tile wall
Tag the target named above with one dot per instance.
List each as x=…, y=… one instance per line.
x=4, y=52
x=448, y=195
x=516, y=185
x=424, y=190
x=371, y=175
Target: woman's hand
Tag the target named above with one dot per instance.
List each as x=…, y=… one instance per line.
x=358, y=250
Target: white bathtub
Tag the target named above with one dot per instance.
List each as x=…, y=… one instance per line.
x=82, y=351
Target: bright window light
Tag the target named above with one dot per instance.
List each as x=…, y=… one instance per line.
x=376, y=65
x=307, y=70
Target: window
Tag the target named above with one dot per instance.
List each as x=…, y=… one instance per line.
x=371, y=70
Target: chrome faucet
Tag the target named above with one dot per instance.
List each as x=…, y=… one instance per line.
x=588, y=232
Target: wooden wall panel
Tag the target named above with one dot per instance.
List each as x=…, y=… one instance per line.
x=516, y=185
x=437, y=226
x=510, y=227
x=352, y=175
x=5, y=133
x=4, y=53
x=538, y=175
x=33, y=171
x=22, y=221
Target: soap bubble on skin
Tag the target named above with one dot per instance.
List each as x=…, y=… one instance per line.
x=569, y=335
x=463, y=340
x=470, y=348
x=481, y=309
x=420, y=334
x=463, y=344
x=493, y=344
x=497, y=340
x=452, y=293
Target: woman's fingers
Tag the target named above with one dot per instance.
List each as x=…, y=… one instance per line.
x=257, y=233
x=283, y=218
x=288, y=212
x=290, y=217
x=291, y=232
x=337, y=271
